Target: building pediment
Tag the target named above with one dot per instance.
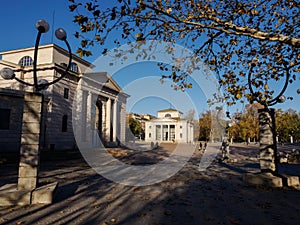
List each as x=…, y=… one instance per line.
x=104, y=79
x=104, y=82
x=164, y=120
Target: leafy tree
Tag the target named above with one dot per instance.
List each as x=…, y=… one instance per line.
x=135, y=127
x=205, y=126
x=245, y=127
x=212, y=125
x=288, y=124
x=232, y=37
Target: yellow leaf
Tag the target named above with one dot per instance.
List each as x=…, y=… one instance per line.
x=238, y=95
x=266, y=87
x=168, y=10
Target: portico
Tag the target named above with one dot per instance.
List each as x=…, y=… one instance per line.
x=100, y=111
x=169, y=127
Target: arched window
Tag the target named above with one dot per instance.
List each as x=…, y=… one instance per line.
x=64, y=126
x=74, y=67
x=26, y=61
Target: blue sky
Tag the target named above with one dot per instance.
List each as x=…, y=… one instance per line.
x=17, y=22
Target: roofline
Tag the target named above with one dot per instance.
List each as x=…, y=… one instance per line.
x=170, y=109
x=7, y=63
x=103, y=84
x=62, y=50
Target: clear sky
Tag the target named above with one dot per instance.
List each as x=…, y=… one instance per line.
x=17, y=22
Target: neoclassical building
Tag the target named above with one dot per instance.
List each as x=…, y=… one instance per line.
x=169, y=126
x=102, y=102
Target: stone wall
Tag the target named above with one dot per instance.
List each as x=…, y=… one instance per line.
x=10, y=138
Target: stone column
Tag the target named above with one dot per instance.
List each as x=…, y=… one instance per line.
x=30, y=139
x=268, y=146
x=103, y=120
x=115, y=113
x=187, y=132
x=291, y=139
x=108, y=119
x=89, y=126
x=122, y=121
x=84, y=116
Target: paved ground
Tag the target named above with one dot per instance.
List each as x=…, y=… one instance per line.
x=214, y=196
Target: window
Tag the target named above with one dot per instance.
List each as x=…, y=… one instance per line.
x=74, y=67
x=66, y=93
x=4, y=119
x=26, y=61
x=64, y=126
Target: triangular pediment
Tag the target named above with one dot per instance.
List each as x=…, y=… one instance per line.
x=104, y=79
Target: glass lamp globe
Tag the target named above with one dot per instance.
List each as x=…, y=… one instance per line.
x=61, y=34
x=7, y=73
x=43, y=83
x=281, y=99
x=42, y=26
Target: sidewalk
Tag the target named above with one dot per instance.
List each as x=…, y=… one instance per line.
x=214, y=196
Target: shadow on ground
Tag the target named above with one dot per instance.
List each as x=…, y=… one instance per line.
x=214, y=196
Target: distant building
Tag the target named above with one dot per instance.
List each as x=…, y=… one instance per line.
x=142, y=119
x=103, y=103
x=169, y=126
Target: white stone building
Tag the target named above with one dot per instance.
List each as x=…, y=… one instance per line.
x=103, y=103
x=169, y=126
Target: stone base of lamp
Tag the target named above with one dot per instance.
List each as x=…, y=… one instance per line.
x=11, y=195
x=270, y=180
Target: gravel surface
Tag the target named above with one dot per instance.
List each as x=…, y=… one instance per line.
x=215, y=196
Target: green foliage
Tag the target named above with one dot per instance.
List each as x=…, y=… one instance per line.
x=205, y=126
x=212, y=125
x=135, y=127
x=246, y=124
x=288, y=124
x=226, y=35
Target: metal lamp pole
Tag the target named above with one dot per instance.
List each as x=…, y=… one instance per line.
x=42, y=27
x=31, y=126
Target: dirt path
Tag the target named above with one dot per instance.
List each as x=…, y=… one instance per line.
x=214, y=196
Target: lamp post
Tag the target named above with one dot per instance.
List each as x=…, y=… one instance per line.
x=26, y=192
x=38, y=85
x=267, y=126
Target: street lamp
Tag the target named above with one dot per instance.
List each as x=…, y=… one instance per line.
x=31, y=130
x=42, y=84
x=267, y=127
x=280, y=98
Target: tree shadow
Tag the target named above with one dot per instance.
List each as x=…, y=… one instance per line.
x=214, y=196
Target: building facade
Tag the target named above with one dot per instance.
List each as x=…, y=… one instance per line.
x=102, y=101
x=169, y=126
